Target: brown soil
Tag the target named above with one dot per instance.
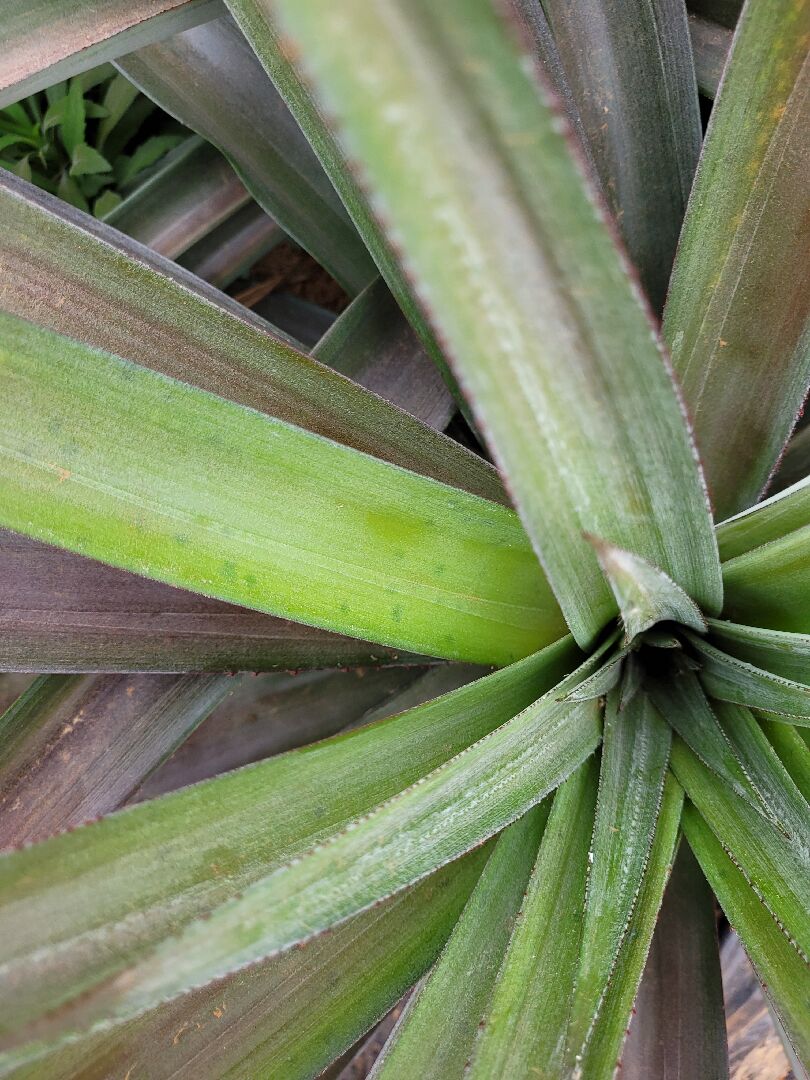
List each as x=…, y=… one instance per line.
x=287, y=268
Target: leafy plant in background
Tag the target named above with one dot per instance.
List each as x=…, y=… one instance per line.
x=80, y=139
x=535, y=848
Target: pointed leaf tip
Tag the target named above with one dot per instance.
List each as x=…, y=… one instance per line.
x=645, y=594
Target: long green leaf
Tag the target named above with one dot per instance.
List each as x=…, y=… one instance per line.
x=637, y=98
x=104, y=290
x=289, y=1016
x=783, y=654
x=430, y=1040
x=635, y=752
x=793, y=752
x=524, y=1029
x=372, y=343
x=766, y=555
x=678, y=1031
x=76, y=909
x=730, y=679
x=49, y=40
x=257, y=22
x=437, y=819
x=209, y=79
x=604, y=1048
x=782, y=971
x=684, y=706
x=76, y=746
x=274, y=713
x=774, y=859
x=467, y=163
x=120, y=463
x=191, y=193
x=738, y=309
x=62, y=612
x=794, y=465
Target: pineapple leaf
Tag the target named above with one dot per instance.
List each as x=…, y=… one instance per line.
x=637, y=99
x=645, y=594
x=525, y=1023
x=431, y=1041
x=773, y=858
x=731, y=679
x=635, y=752
x=793, y=752
x=290, y=1015
x=207, y=339
x=782, y=972
x=192, y=192
x=491, y=213
x=778, y=652
x=610, y=1027
x=89, y=741
x=209, y=79
x=72, y=900
x=49, y=40
x=681, y=980
x=738, y=310
x=405, y=561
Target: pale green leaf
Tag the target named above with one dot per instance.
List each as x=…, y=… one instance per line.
x=635, y=752
x=85, y=161
x=738, y=308
x=293, y=1013
x=524, y=1029
x=79, y=908
x=645, y=595
x=118, y=97
x=432, y=1040
x=104, y=290
x=781, y=970
x=523, y=281
x=116, y=461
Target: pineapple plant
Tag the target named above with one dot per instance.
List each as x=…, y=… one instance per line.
x=533, y=680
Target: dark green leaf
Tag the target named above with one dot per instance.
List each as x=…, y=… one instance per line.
x=645, y=595
x=738, y=305
x=523, y=1034
x=604, y=1048
x=232, y=249
x=773, y=858
x=635, y=752
x=72, y=124
x=782, y=971
x=793, y=752
x=127, y=168
x=710, y=47
x=783, y=654
x=492, y=213
x=88, y=904
x=433, y=1041
x=730, y=679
